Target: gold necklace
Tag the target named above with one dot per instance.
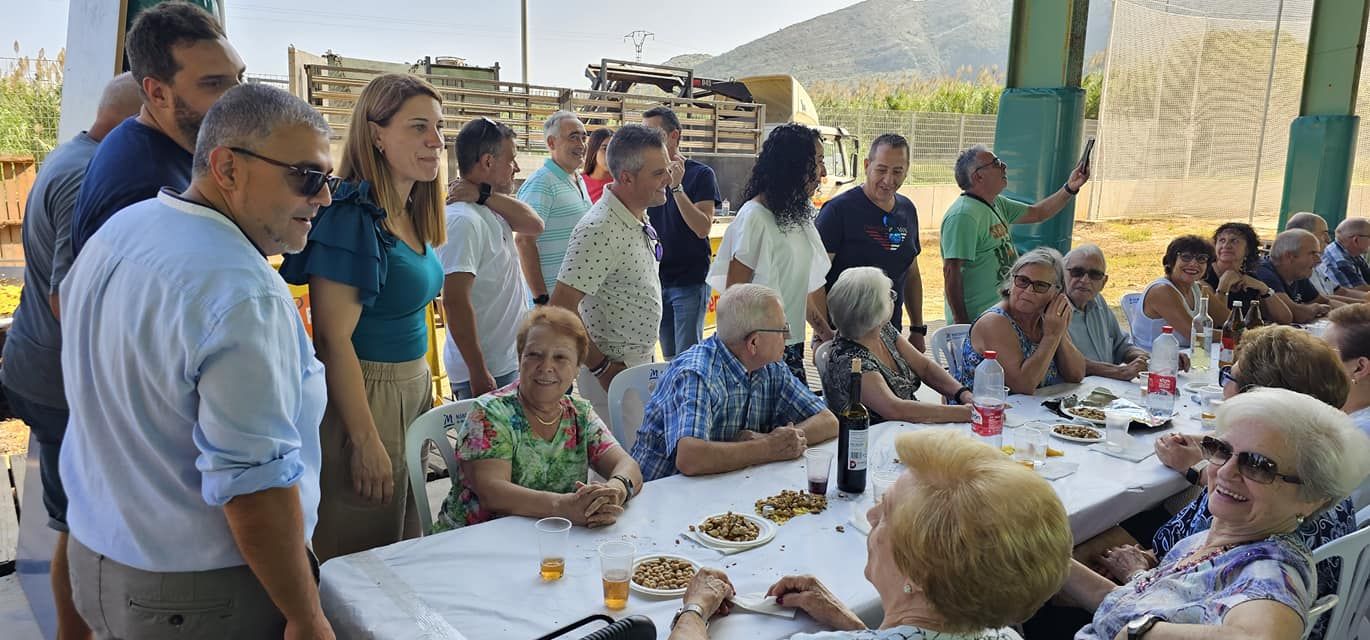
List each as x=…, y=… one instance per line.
x=533, y=412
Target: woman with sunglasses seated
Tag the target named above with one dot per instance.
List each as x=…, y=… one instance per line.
x=860, y=304
x=1173, y=299
x=1278, y=459
x=1028, y=328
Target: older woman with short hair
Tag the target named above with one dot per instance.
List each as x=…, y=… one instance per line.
x=860, y=304
x=526, y=449
x=1000, y=548
x=1029, y=328
x=1349, y=335
x=1173, y=299
x=1237, y=254
x=1278, y=458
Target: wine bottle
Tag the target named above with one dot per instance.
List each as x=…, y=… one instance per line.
x=854, y=423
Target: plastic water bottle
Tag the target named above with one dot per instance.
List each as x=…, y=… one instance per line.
x=1161, y=386
x=987, y=415
x=727, y=208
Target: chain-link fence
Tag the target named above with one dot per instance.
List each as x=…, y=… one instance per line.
x=30, y=105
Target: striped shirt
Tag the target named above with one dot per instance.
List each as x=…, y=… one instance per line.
x=562, y=201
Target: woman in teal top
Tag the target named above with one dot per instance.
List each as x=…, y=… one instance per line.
x=372, y=272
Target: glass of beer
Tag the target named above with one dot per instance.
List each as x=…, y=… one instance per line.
x=616, y=567
x=553, y=537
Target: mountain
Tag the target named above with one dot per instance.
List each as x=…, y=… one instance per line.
x=887, y=37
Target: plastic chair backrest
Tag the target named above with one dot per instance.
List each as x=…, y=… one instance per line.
x=642, y=379
x=820, y=358
x=432, y=427
x=1132, y=306
x=1351, y=587
x=946, y=343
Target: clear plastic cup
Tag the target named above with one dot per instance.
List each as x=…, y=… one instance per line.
x=882, y=481
x=818, y=467
x=1116, y=437
x=554, y=536
x=1030, y=446
x=615, y=569
x=1210, y=398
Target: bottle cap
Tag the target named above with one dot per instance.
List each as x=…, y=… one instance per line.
x=991, y=355
x=1167, y=329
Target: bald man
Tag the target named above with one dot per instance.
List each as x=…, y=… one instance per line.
x=32, y=376
x=1292, y=257
x=1344, y=259
x=1321, y=279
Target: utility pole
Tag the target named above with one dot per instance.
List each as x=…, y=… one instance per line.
x=525, y=41
x=639, y=39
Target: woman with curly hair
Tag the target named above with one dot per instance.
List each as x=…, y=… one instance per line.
x=773, y=241
x=1231, y=271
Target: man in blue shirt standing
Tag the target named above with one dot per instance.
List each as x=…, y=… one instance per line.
x=32, y=375
x=192, y=456
x=183, y=62
x=730, y=402
x=683, y=224
x=875, y=226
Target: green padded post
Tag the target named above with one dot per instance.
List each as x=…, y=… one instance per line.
x=1038, y=135
x=1047, y=43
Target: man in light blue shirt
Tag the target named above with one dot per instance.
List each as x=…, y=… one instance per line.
x=192, y=456
x=1094, y=329
x=557, y=192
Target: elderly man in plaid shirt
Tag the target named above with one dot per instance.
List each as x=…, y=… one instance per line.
x=730, y=402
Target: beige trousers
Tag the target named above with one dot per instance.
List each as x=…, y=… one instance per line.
x=397, y=393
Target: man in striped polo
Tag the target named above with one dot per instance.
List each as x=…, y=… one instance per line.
x=557, y=193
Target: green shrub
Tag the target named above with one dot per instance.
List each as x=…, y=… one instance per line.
x=30, y=105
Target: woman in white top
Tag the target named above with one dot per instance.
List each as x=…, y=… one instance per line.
x=1349, y=334
x=1172, y=300
x=773, y=241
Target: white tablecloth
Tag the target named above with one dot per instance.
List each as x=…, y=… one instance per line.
x=482, y=582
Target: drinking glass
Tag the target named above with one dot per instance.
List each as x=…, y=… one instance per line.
x=554, y=536
x=615, y=568
x=818, y=465
x=882, y=481
x=1031, y=444
x=1116, y=437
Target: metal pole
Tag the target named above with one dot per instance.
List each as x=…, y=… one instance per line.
x=1265, y=115
x=525, y=41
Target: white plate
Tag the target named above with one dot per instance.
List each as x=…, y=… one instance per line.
x=766, y=531
x=1071, y=412
x=1063, y=436
x=1195, y=387
x=675, y=593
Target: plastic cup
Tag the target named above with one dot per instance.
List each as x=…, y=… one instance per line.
x=1031, y=444
x=1116, y=437
x=882, y=481
x=818, y=466
x=1210, y=397
x=615, y=568
x=554, y=536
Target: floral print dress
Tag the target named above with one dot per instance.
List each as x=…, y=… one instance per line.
x=496, y=429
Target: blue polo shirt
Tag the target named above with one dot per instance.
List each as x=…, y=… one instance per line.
x=860, y=234
x=684, y=255
x=1299, y=291
x=131, y=164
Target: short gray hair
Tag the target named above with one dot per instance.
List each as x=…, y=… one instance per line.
x=552, y=126
x=1288, y=242
x=742, y=309
x=247, y=115
x=1087, y=250
x=1041, y=255
x=1331, y=456
x=860, y=301
x=1352, y=226
x=965, y=165
x=626, y=147
x=1303, y=220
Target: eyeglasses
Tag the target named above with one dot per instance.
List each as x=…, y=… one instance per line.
x=997, y=163
x=1253, y=466
x=306, y=181
x=650, y=232
x=1225, y=376
x=1080, y=272
x=1201, y=258
x=896, y=235
x=1038, y=286
x=782, y=330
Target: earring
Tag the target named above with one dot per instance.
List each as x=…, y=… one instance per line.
x=380, y=149
x=908, y=588
x=1298, y=520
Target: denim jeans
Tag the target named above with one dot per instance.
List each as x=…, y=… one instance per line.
x=49, y=427
x=682, y=317
x=462, y=390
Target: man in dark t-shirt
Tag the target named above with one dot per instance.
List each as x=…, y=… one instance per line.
x=1292, y=258
x=183, y=62
x=874, y=226
x=683, y=225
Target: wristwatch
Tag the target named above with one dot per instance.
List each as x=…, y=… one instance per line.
x=1138, y=628
x=1195, y=473
x=698, y=610
x=1073, y=192
x=542, y=299
x=627, y=484
x=920, y=329
x=678, y=188
x=484, y=193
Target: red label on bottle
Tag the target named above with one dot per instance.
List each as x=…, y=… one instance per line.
x=987, y=420
x=1157, y=382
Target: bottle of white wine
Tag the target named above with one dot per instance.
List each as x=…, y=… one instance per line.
x=854, y=423
x=1201, y=338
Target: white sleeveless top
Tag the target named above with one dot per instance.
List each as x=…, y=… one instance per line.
x=1145, y=328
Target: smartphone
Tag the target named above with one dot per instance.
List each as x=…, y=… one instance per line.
x=1089, y=149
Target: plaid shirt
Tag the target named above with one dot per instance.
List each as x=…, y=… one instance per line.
x=707, y=394
x=1349, y=272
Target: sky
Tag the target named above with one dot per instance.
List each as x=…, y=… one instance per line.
x=564, y=35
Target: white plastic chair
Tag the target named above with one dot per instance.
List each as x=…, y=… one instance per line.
x=432, y=427
x=946, y=345
x=1351, y=588
x=820, y=358
x=1132, y=307
x=642, y=379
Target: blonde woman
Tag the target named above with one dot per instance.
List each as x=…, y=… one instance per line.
x=372, y=272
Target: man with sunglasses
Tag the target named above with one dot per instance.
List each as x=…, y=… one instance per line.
x=977, y=248
x=1293, y=256
x=1344, y=258
x=194, y=366
x=1094, y=328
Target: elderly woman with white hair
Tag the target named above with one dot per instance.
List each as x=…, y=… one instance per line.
x=1028, y=329
x=1278, y=458
x=860, y=304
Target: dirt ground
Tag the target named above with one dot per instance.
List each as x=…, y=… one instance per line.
x=14, y=437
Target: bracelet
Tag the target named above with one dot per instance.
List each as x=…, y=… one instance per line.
x=601, y=367
x=690, y=608
x=956, y=397
x=1073, y=192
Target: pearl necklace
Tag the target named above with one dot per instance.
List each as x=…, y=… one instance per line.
x=1181, y=567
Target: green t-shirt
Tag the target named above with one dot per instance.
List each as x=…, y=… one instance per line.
x=978, y=234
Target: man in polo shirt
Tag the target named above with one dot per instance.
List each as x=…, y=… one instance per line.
x=1094, y=328
x=731, y=402
x=683, y=223
x=1321, y=279
x=1292, y=258
x=183, y=62
x=1344, y=259
x=977, y=248
x=557, y=193
x=483, y=294
x=609, y=273
x=875, y=226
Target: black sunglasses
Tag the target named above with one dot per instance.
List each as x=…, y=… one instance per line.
x=1253, y=466
x=306, y=181
x=1225, y=376
x=997, y=163
x=650, y=232
x=1038, y=286
x=1201, y=258
x=1080, y=272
